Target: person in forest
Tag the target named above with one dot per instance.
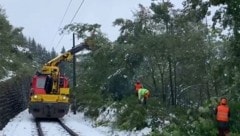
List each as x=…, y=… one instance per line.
x=222, y=113
x=143, y=95
x=137, y=85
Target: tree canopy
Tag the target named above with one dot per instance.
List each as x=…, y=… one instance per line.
x=186, y=62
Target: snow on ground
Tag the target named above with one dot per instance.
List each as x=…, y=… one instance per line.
x=23, y=125
x=52, y=128
x=79, y=125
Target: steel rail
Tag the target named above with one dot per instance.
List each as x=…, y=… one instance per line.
x=39, y=129
x=70, y=131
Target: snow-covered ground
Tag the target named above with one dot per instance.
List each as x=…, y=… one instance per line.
x=23, y=125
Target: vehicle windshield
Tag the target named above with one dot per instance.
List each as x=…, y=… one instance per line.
x=41, y=82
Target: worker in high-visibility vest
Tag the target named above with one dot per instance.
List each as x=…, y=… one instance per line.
x=137, y=86
x=143, y=95
x=222, y=116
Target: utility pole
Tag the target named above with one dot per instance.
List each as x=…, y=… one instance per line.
x=74, y=78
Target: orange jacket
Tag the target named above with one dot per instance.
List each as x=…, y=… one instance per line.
x=138, y=86
x=223, y=113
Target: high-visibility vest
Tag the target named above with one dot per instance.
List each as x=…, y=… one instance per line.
x=142, y=92
x=222, y=113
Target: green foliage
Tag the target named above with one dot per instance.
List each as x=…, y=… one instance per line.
x=155, y=133
x=190, y=123
x=176, y=56
x=90, y=102
x=132, y=30
x=17, y=54
x=131, y=115
x=82, y=30
x=172, y=130
x=235, y=116
x=161, y=11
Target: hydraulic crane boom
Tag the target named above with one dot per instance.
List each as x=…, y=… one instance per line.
x=52, y=65
x=68, y=55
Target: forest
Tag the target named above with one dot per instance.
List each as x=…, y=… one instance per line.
x=187, y=58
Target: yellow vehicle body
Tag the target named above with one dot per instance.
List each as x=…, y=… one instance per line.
x=49, y=97
x=50, y=105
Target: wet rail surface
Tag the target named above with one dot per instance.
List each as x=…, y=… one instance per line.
x=66, y=128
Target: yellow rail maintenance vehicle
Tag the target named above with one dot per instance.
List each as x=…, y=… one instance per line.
x=49, y=94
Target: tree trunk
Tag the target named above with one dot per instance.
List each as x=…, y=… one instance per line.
x=207, y=91
x=154, y=81
x=171, y=81
x=175, y=83
x=201, y=95
x=215, y=88
x=162, y=83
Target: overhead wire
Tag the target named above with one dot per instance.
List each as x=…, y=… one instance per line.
x=65, y=14
x=61, y=21
x=79, y=7
x=77, y=11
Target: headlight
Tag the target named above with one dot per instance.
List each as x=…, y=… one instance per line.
x=64, y=98
x=35, y=96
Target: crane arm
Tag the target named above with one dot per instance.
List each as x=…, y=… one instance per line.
x=67, y=56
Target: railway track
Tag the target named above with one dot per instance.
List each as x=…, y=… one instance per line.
x=56, y=121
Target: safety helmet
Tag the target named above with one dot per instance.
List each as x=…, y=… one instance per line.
x=138, y=82
x=223, y=101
